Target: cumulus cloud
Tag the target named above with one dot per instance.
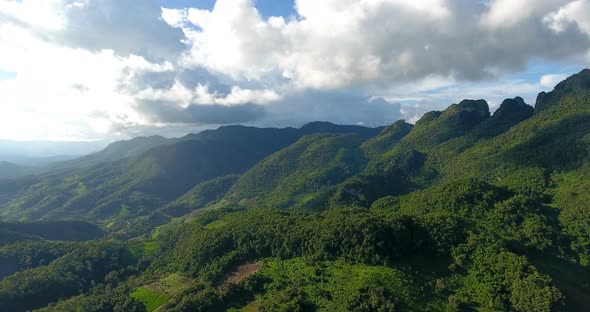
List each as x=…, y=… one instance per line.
x=509, y=13
x=575, y=13
x=89, y=68
x=551, y=80
x=200, y=114
x=124, y=26
x=337, y=44
x=83, y=71
x=58, y=89
x=182, y=96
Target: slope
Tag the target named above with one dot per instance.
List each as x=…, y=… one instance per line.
x=10, y=170
x=124, y=149
x=303, y=174
x=138, y=185
x=465, y=211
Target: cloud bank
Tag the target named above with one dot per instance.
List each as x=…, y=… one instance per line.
x=88, y=69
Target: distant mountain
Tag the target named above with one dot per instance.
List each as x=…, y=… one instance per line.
x=42, y=165
x=10, y=170
x=123, y=149
x=330, y=128
x=140, y=184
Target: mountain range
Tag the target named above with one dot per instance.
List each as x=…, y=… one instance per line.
x=134, y=178
x=464, y=210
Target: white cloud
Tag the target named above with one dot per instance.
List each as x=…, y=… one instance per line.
x=74, y=91
x=509, y=13
x=233, y=40
x=183, y=97
x=175, y=17
x=61, y=92
x=338, y=44
x=575, y=12
x=550, y=81
x=241, y=96
x=47, y=15
x=88, y=69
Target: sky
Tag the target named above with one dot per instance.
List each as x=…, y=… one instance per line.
x=114, y=69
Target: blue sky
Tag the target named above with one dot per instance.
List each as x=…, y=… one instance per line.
x=284, y=8
x=7, y=75
x=114, y=69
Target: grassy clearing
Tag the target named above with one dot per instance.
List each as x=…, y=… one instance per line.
x=252, y=307
x=215, y=225
x=140, y=249
x=156, y=294
x=135, y=251
x=149, y=248
x=174, y=284
x=151, y=299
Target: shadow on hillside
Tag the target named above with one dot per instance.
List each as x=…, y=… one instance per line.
x=562, y=146
x=572, y=279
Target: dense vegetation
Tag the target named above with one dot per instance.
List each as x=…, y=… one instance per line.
x=302, y=174
x=464, y=211
x=72, y=274
x=139, y=185
x=49, y=230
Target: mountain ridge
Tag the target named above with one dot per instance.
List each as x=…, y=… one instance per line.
x=160, y=174
x=464, y=211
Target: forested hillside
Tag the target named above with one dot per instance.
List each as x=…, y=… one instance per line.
x=138, y=185
x=467, y=210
